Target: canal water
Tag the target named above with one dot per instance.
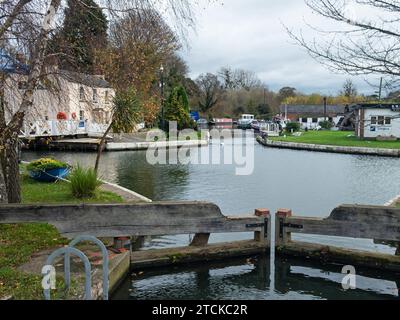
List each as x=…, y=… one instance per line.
x=311, y=184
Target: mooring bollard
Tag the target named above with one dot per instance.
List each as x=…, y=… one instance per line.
x=282, y=237
x=264, y=234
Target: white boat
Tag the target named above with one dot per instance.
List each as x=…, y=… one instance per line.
x=245, y=121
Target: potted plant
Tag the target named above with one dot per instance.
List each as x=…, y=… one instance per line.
x=48, y=170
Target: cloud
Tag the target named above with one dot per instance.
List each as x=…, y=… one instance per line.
x=250, y=34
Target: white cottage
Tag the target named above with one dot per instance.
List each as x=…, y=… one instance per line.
x=378, y=121
x=310, y=116
x=66, y=103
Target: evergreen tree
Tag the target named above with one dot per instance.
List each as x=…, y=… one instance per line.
x=177, y=108
x=84, y=31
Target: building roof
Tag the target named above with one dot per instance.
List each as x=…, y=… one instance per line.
x=12, y=65
x=378, y=106
x=304, y=109
x=89, y=80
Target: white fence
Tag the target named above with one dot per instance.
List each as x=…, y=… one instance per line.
x=52, y=128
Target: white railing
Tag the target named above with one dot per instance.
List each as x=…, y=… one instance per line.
x=50, y=128
x=271, y=129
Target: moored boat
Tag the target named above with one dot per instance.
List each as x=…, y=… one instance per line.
x=49, y=175
x=223, y=123
x=245, y=121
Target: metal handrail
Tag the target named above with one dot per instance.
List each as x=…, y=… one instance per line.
x=105, y=262
x=68, y=251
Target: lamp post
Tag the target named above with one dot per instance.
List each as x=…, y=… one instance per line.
x=162, y=96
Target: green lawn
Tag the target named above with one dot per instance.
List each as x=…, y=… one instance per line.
x=37, y=192
x=18, y=242
x=337, y=138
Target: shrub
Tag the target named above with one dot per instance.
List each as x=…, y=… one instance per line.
x=84, y=182
x=293, y=127
x=327, y=125
x=46, y=164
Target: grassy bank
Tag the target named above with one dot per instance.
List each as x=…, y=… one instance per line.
x=337, y=138
x=19, y=242
x=37, y=192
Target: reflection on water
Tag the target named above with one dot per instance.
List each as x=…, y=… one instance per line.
x=252, y=279
x=312, y=184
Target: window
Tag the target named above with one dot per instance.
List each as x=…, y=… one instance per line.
x=82, y=115
x=94, y=95
x=81, y=94
x=381, y=120
x=388, y=121
x=315, y=120
x=304, y=120
x=373, y=120
x=106, y=97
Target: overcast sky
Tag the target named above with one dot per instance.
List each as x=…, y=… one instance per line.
x=249, y=34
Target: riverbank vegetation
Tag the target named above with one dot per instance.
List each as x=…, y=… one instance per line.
x=336, y=138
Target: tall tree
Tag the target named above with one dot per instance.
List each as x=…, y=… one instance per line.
x=286, y=92
x=140, y=42
x=210, y=89
x=349, y=89
x=236, y=79
x=177, y=108
x=9, y=131
x=83, y=34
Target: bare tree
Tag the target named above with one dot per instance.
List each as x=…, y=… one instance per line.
x=210, y=91
x=236, y=79
x=367, y=43
x=349, y=89
x=9, y=134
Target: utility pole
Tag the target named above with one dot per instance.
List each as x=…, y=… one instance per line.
x=162, y=96
x=380, y=90
x=325, y=111
x=286, y=112
x=265, y=96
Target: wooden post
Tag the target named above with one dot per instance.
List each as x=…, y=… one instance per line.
x=264, y=234
x=200, y=240
x=281, y=237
